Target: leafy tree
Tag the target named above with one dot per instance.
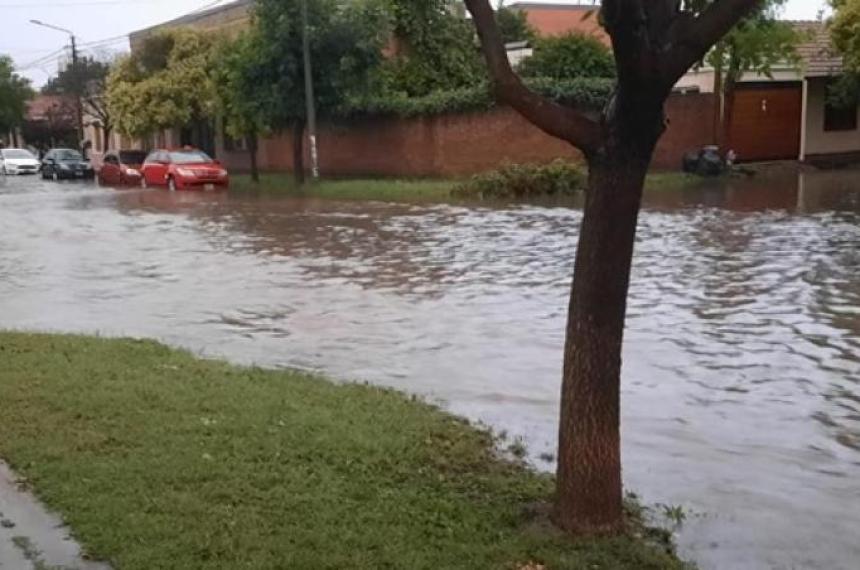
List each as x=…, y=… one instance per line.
x=433, y=48
x=167, y=83
x=237, y=80
x=654, y=43
x=756, y=44
x=346, y=41
x=15, y=91
x=89, y=79
x=569, y=57
x=845, y=33
x=514, y=25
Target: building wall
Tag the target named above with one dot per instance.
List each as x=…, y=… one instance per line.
x=818, y=141
x=463, y=144
x=559, y=19
x=229, y=19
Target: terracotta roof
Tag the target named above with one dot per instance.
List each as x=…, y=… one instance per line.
x=817, y=52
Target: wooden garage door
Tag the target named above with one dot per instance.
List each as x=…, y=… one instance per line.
x=765, y=121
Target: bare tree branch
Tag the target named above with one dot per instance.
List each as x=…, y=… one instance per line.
x=554, y=119
x=691, y=38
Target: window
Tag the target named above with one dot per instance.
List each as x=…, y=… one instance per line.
x=839, y=117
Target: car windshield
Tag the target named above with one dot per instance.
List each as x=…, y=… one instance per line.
x=16, y=153
x=68, y=155
x=189, y=157
x=132, y=156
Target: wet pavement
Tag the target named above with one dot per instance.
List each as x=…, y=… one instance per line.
x=31, y=538
x=742, y=358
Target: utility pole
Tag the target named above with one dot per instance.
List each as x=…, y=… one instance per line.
x=309, y=92
x=76, y=76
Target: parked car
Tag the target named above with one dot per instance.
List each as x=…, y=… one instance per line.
x=121, y=168
x=65, y=164
x=183, y=169
x=18, y=161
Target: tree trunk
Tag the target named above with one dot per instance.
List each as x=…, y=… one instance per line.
x=299, y=154
x=589, y=489
x=253, y=147
x=107, y=131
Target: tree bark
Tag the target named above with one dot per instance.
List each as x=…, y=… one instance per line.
x=299, y=154
x=589, y=489
x=253, y=147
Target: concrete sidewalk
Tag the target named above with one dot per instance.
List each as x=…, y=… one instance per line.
x=31, y=538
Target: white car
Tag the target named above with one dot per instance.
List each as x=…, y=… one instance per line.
x=18, y=161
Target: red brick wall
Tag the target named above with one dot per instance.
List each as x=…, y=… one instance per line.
x=464, y=144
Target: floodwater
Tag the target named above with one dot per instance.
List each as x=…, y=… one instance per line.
x=742, y=358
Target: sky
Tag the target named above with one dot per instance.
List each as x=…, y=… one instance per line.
x=101, y=26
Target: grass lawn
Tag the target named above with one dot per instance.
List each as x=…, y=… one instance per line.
x=401, y=190
x=385, y=189
x=161, y=460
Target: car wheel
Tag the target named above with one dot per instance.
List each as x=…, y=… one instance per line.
x=171, y=184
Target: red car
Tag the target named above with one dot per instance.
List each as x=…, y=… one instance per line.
x=183, y=169
x=121, y=168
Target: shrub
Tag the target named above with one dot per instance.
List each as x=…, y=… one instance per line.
x=558, y=178
x=585, y=93
x=569, y=57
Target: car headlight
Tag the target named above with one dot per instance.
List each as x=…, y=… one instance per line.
x=132, y=172
x=186, y=172
x=222, y=173
x=64, y=166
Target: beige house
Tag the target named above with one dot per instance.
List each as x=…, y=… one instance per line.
x=787, y=115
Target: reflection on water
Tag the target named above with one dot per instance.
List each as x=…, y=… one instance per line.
x=742, y=357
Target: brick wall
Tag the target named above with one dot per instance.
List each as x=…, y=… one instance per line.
x=465, y=144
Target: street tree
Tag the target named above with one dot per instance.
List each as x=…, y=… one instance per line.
x=759, y=42
x=346, y=41
x=15, y=91
x=89, y=79
x=845, y=34
x=165, y=84
x=654, y=43
x=237, y=80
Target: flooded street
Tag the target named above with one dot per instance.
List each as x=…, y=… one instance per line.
x=741, y=388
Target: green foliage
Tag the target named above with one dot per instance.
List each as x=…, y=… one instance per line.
x=434, y=48
x=165, y=84
x=514, y=25
x=558, y=178
x=586, y=93
x=845, y=33
x=346, y=42
x=569, y=57
x=15, y=91
x=236, y=83
x=159, y=460
x=756, y=44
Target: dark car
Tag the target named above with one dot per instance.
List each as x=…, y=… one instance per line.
x=121, y=168
x=66, y=164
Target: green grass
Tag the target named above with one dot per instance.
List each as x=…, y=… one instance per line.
x=391, y=190
x=401, y=190
x=159, y=460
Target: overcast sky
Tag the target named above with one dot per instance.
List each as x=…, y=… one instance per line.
x=35, y=49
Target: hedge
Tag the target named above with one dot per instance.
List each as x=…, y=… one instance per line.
x=585, y=93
